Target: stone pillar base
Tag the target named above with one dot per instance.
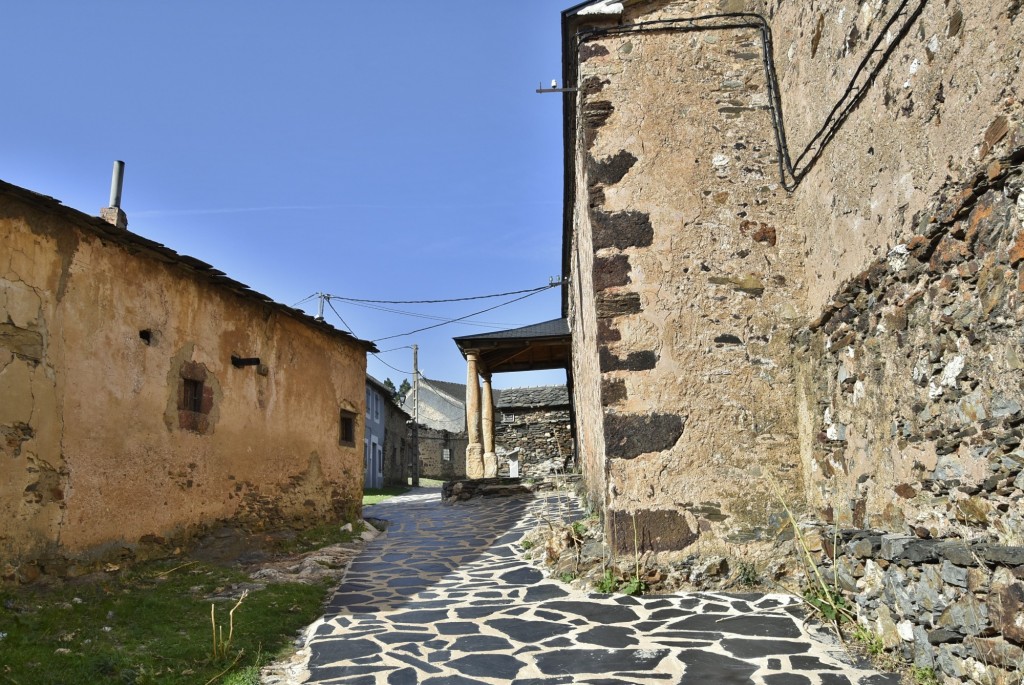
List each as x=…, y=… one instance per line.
x=490, y=465
x=474, y=461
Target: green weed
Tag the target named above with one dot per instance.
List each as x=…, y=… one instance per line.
x=378, y=495
x=607, y=583
x=923, y=676
x=151, y=624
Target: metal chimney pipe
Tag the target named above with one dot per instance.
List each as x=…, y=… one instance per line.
x=115, y=184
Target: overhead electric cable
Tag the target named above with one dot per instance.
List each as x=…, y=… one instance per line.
x=305, y=299
x=483, y=324
x=453, y=299
x=339, y=317
x=407, y=373
x=467, y=316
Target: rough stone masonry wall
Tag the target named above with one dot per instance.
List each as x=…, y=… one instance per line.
x=917, y=364
x=432, y=444
x=542, y=436
x=96, y=457
x=687, y=257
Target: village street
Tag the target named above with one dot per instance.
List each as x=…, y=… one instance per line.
x=444, y=596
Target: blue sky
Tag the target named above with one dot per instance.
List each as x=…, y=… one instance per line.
x=377, y=150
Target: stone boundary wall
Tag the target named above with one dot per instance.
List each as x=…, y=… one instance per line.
x=949, y=605
x=915, y=398
x=543, y=437
x=432, y=444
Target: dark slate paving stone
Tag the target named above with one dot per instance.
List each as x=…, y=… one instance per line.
x=658, y=604
x=472, y=612
x=774, y=664
x=527, y=631
x=834, y=679
x=375, y=659
x=882, y=679
x=490, y=594
x=549, y=615
x=686, y=644
x=713, y=608
x=647, y=626
x=627, y=600
x=439, y=656
x=756, y=649
x=598, y=660
x=544, y=681
x=405, y=676
x=740, y=607
x=666, y=614
x=560, y=642
x=452, y=680
x=615, y=637
x=456, y=628
x=522, y=576
x=810, y=663
x=706, y=667
x=768, y=603
x=400, y=636
x=646, y=677
x=598, y=613
x=753, y=625
x=422, y=617
x=542, y=593
x=499, y=666
x=415, y=663
x=481, y=643
x=786, y=679
x=503, y=552
x=344, y=649
x=411, y=648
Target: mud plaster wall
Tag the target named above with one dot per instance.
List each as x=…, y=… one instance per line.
x=686, y=258
x=675, y=169
x=94, y=456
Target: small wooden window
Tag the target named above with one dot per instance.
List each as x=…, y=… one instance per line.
x=347, y=429
x=508, y=418
x=446, y=454
x=192, y=395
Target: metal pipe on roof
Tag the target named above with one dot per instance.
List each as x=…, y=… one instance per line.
x=116, y=181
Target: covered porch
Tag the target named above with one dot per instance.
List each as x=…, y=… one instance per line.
x=538, y=347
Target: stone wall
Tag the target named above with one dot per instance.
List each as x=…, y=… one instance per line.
x=398, y=455
x=541, y=437
x=124, y=422
x=948, y=605
x=432, y=444
x=686, y=285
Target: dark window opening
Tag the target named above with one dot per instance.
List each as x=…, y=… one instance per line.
x=147, y=336
x=347, y=429
x=192, y=395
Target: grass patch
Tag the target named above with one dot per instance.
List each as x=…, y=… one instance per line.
x=377, y=495
x=148, y=625
x=152, y=622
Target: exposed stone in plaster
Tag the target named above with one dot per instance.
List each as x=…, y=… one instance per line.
x=613, y=391
x=610, y=170
x=595, y=114
x=627, y=436
x=634, y=361
x=611, y=271
x=621, y=229
x=13, y=437
x=612, y=304
x=656, y=530
x=22, y=342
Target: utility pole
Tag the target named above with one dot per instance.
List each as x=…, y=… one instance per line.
x=415, y=417
x=320, y=308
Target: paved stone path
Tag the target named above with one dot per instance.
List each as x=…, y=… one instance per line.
x=444, y=597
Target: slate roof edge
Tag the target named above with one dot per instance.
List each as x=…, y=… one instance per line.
x=193, y=267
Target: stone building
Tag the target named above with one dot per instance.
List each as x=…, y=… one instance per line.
x=387, y=445
x=442, y=430
x=793, y=236
x=144, y=395
x=533, y=432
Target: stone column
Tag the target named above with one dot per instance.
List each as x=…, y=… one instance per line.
x=474, y=450
x=487, y=419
